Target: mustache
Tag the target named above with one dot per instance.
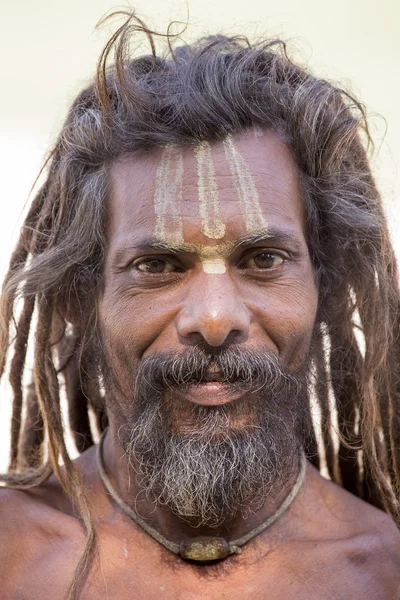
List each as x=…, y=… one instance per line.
x=253, y=369
x=204, y=462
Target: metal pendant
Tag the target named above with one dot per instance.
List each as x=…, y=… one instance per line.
x=204, y=549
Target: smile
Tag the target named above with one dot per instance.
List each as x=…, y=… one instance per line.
x=210, y=393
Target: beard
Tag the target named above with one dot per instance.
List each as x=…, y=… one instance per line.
x=208, y=464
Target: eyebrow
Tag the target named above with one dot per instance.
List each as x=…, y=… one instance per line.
x=273, y=235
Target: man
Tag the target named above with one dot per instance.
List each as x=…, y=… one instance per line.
x=208, y=267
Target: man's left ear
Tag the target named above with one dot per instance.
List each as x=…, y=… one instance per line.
x=76, y=309
x=330, y=305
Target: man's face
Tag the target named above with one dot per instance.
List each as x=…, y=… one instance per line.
x=207, y=256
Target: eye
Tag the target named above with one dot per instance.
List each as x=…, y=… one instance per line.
x=156, y=266
x=264, y=260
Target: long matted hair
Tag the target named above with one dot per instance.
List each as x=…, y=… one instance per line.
x=205, y=91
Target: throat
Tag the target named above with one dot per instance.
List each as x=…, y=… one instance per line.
x=205, y=544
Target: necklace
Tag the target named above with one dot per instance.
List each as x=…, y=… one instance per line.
x=202, y=548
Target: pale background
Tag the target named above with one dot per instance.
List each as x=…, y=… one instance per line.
x=49, y=50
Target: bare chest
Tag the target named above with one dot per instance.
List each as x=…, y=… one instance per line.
x=273, y=577
x=297, y=572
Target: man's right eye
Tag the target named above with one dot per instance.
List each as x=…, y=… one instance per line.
x=156, y=266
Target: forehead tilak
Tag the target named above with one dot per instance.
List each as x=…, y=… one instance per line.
x=212, y=225
x=168, y=197
x=245, y=186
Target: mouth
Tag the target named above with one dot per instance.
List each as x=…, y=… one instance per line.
x=211, y=392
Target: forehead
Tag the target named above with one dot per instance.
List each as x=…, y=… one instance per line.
x=213, y=191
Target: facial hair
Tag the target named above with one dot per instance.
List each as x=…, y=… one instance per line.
x=212, y=463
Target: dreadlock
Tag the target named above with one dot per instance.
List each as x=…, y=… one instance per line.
x=204, y=92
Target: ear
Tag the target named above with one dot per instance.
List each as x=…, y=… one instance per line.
x=333, y=302
x=78, y=309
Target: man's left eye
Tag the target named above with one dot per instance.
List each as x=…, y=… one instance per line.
x=264, y=260
x=156, y=266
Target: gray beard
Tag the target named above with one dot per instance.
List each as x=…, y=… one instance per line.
x=212, y=470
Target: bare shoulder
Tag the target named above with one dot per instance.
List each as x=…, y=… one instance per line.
x=365, y=537
x=39, y=511
x=45, y=508
x=31, y=504
x=34, y=530
x=370, y=555
x=351, y=546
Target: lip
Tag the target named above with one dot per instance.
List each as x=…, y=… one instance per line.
x=210, y=393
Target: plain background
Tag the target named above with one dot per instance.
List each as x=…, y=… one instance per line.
x=49, y=51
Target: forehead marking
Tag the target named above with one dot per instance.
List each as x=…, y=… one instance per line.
x=213, y=257
x=212, y=225
x=214, y=266
x=245, y=187
x=168, y=195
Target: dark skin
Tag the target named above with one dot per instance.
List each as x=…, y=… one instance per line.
x=329, y=544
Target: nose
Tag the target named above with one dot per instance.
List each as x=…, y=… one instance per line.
x=213, y=312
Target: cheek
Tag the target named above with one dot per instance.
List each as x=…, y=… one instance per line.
x=300, y=320
x=287, y=315
x=117, y=326
x=132, y=323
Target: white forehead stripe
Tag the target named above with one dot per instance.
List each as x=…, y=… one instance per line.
x=245, y=187
x=168, y=195
x=214, y=266
x=212, y=225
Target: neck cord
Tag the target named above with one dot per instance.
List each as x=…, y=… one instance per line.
x=204, y=548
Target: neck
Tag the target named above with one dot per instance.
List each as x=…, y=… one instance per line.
x=124, y=478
